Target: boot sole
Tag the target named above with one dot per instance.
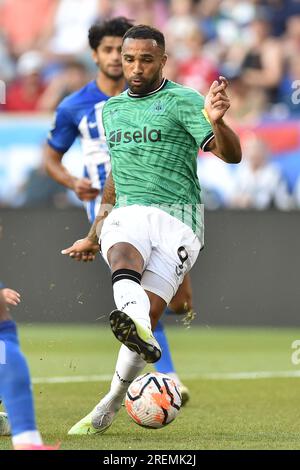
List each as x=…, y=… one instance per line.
x=124, y=329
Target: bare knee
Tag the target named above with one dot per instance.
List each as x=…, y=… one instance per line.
x=182, y=301
x=157, y=306
x=125, y=256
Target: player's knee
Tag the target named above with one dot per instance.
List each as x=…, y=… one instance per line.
x=156, y=311
x=125, y=256
x=182, y=300
x=182, y=304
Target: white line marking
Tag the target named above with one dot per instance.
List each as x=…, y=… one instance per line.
x=209, y=376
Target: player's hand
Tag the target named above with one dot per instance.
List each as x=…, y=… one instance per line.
x=82, y=250
x=217, y=101
x=11, y=296
x=84, y=190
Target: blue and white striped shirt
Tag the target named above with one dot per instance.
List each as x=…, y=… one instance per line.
x=80, y=115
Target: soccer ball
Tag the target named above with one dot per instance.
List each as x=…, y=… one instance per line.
x=153, y=400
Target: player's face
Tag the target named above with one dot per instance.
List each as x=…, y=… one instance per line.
x=108, y=57
x=143, y=61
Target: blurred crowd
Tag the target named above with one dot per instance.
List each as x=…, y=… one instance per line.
x=44, y=56
x=255, y=43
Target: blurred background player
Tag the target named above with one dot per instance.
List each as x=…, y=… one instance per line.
x=15, y=386
x=80, y=114
x=11, y=297
x=258, y=182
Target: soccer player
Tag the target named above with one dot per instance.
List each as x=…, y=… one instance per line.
x=80, y=114
x=15, y=387
x=150, y=221
x=11, y=297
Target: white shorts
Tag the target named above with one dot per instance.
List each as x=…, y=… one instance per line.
x=168, y=246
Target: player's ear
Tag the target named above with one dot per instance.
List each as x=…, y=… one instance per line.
x=164, y=60
x=95, y=56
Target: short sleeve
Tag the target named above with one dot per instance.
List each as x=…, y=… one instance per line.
x=64, y=131
x=194, y=119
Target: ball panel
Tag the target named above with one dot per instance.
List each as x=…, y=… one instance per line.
x=153, y=400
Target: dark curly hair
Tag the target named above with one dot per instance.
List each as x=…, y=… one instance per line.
x=116, y=27
x=143, y=31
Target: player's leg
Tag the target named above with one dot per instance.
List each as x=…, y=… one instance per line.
x=130, y=322
x=125, y=261
x=165, y=364
x=181, y=303
x=127, y=254
x=15, y=386
x=4, y=423
x=131, y=237
x=129, y=365
x=171, y=237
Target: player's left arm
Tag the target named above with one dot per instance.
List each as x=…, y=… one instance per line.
x=225, y=144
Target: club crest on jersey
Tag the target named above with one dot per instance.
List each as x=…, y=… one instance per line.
x=158, y=107
x=138, y=136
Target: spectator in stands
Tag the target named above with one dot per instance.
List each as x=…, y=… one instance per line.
x=178, y=26
x=171, y=68
x=7, y=65
x=291, y=40
x=248, y=105
x=289, y=90
x=289, y=86
x=262, y=66
x=297, y=193
x=71, y=22
x=208, y=14
x=151, y=12
x=280, y=11
x=25, y=24
x=197, y=70
x=106, y=10
x=24, y=93
x=216, y=181
x=73, y=77
x=258, y=182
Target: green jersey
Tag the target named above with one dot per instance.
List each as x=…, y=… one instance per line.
x=154, y=140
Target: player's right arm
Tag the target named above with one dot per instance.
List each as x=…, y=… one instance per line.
x=60, y=139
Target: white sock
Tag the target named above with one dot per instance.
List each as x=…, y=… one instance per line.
x=131, y=298
x=129, y=365
x=27, y=437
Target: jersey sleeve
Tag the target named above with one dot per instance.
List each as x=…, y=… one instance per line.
x=193, y=117
x=64, y=131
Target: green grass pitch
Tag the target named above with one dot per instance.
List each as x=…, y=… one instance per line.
x=225, y=411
